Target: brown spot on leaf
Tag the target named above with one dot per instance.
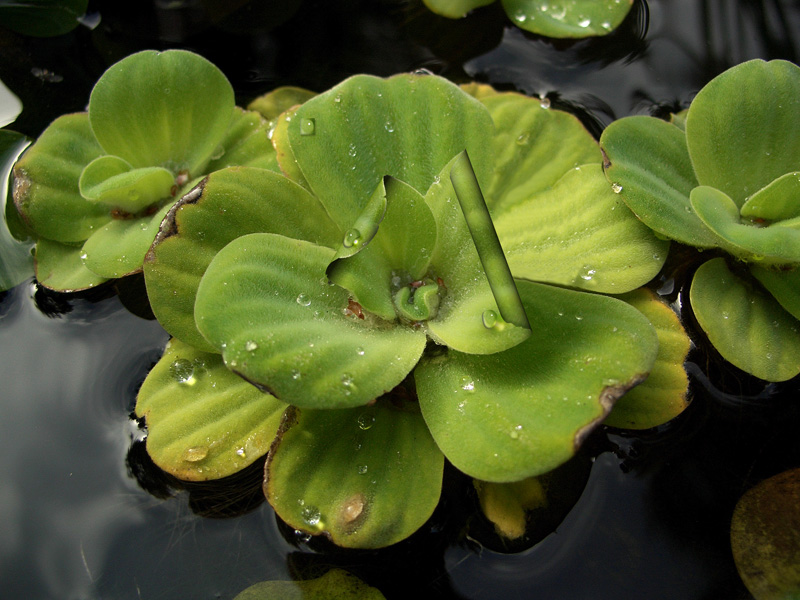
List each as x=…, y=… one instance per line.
x=607, y=399
x=606, y=160
x=169, y=226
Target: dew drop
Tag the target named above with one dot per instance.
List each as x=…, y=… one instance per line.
x=250, y=346
x=307, y=126
x=365, y=421
x=584, y=22
x=352, y=238
x=388, y=126
x=523, y=138
x=489, y=318
x=241, y=452
x=516, y=432
x=362, y=469
x=195, y=453
x=351, y=150
x=360, y=351
x=310, y=515
x=347, y=380
x=295, y=374
x=467, y=384
x=304, y=300
x=302, y=535
x=616, y=188
x=544, y=102
x=182, y=371
x=84, y=255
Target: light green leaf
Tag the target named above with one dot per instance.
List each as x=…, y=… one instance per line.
x=203, y=421
x=523, y=412
x=765, y=537
x=46, y=182
x=16, y=260
x=584, y=237
x=273, y=103
x=662, y=396
x=506, y=504
x=784, y=285
x=118, y=248
x=365, y=477
x=771, y=245
x=745, y=324
x=231, y=203
x=398, y=255
x=407, y=126
x=778, y=200
x=647, y=160
x=563, y=19
x=246, y=144
x=265, y=303
x=533, y=146
x=147, y=109
x=112, y=181
x=468, y=318
x=455, y=9
x=743, y=127
x=334, y=585
x=60, y=267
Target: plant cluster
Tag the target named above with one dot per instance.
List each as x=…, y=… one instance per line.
x=359, y=284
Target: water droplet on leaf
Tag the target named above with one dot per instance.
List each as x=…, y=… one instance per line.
x=352, y=238
x=307, y=126
x=310, y=515
x=365, y=421
x=182, y=371
x=195, y=453
x=304, y=300
x=489, y=318
x=616, y=188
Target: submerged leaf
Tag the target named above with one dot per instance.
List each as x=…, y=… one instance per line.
x=526, y=410
x=745, y=324
x=334, y=585
x=204, y=422
x=765, y=537
x=365, y=477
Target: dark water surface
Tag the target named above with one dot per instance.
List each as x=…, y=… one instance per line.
x=652, y=521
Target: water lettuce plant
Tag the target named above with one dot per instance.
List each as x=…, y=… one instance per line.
x=95, y=186
x=551, y=18
x=356, y=317
x=724, y=177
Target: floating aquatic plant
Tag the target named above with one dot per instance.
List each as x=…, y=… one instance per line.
x=365, y=295
x=725, y=178
x=95, y=186
x=552, y=18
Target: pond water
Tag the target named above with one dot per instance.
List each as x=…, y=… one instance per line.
x=84, y=516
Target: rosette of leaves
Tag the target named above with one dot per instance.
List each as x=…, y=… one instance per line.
x=95, y=186
x=364, y=294
x=725, y=178
x=551, y=18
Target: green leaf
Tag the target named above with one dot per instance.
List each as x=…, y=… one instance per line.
x=647, y=160
x=118, y=248
x=273, y=103
x=246, y=144
x=784, y=285
x=46, y=182
x=231, y=203
x=60, y=267
x=398, y=255
x=468, y=318
x=16, y=260
x=334, y=585
x=42, y=18
x=743, y=127
x=778, y=200
x=506, y=504
x=486, y=242
x=745, y=324
x=765, y=537
x=455, y=9
x=533, y=146
x=167, y=109
x=772, y=244
x=203, y=421
x=523, y=412
x=407, y=126
x=265, y=303
x=568, y=19
x=662, y=396
x=365, y=477
x=112, y=181
x=584, y=237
